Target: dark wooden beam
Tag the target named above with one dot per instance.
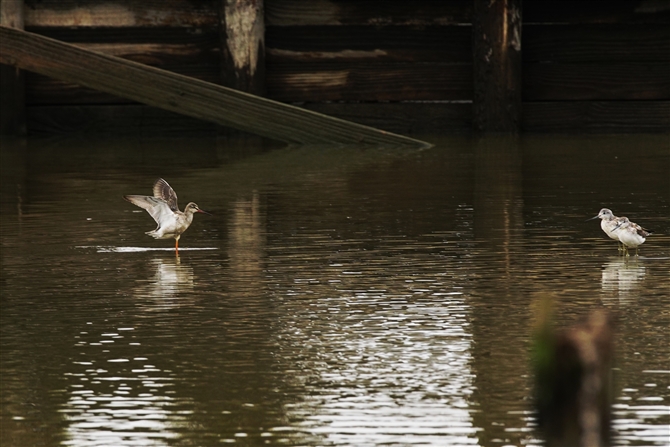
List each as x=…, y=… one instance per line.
x=497, y=65
x=12, y=82
x=594, y=117
x=417, y=13
x=185, y=95
x=243, y=45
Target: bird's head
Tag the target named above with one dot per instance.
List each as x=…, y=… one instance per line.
x=192, y=208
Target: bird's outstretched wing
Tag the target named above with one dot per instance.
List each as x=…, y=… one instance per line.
x=157, y=207
x=162, y=190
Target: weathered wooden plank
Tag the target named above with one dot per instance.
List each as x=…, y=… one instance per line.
x=497, y=66
x=12, y=80
x=612, y=81
x=596, y=116
x=243, y=45
x=180, y=50
x=121, y=13
x=439, y=12
x=430, y=43
x=596, y=42
x=366, y=81
x=368, y=12
x=611, y=11
x=44, y=90
x=181, y=58
x=181, y=94
x=203, y=37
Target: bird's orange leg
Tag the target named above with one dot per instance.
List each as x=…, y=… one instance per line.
x=176, y=247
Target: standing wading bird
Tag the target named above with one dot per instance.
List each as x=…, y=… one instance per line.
x=608, y=222
x=630, y=234
x=163, y=208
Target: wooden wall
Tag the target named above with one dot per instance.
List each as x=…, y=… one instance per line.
x=588, y=66
x=596, y=66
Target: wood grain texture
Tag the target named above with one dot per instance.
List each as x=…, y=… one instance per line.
x=369, y=82
x=109, y=35
x=121, y=13
x=43, y=90
x=242, y=39
x=410, y=44
x=184, y=95
x=580, y=58
x=180, y=50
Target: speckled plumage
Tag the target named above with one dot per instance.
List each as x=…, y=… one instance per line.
x=630, y=234
x=165, y=211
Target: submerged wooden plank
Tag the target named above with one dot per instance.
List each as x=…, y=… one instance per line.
x=184, y=95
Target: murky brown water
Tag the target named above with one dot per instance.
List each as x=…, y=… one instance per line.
x=338, y=297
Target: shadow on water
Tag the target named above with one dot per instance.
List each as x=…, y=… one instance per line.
x=338, y=296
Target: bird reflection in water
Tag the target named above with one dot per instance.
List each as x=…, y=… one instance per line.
x=622, y=277
x=167, y=286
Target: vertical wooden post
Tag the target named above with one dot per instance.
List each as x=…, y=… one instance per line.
x=496, y=28
x=573, y=379
x=12, y=90
x=243, y=45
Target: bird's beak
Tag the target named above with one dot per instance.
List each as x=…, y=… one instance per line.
x=616, y=228
x=204, y=212
x=592, y=218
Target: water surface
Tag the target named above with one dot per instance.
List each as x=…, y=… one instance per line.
x=337, y=297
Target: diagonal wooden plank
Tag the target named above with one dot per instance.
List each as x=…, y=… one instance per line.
x=181, y=94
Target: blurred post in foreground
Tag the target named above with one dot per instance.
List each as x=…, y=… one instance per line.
x=573, y=386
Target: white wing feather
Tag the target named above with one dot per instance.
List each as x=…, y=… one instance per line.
x=157, y=208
